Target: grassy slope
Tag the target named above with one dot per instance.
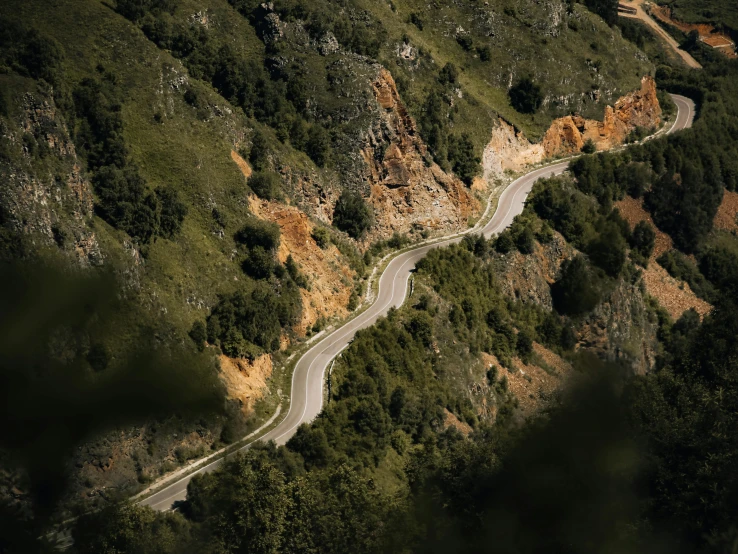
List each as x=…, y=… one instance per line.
x=525, y=42
x=705, y=11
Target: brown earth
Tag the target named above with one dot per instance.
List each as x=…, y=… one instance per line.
x=450, y=420
x=567, y=135
x=509, y=149
x=673, y=295
x=407, y=190
x=708, y=34
x=245, y=380
x=242, y=164
x=632, y=211
x=726, y=217
x=534, y=386
x=330, y=279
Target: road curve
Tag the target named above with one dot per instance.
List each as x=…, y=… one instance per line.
x=308, y=376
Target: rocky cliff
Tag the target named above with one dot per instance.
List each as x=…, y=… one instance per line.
x=567, y=135
x=509, y=149
x=619, y=329
x=409, y=192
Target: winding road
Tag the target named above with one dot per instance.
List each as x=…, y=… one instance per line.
x=308, y=377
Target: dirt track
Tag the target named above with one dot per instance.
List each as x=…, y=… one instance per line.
x=643, y=16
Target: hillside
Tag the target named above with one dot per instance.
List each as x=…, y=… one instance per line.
x=202, y=153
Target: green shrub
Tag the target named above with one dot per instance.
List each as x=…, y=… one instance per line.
x=259, y=233
x=352, y=214
x=526, y=96
x=321, y=236
x=589, y=147
x=265, y=184
x=577, y=291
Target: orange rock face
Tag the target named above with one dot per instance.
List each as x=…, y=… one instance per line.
x=567, y=135
x=408, y=190
x=329, y=276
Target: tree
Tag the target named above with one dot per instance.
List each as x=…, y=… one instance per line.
x=589, y=147
x=319, y=145
x=462, y=157
x=352, y=214
x=199, y=334
x=577, y=290
x=606, y=9
x=643, y=239
x=265, y=184
x=608, y=250
x=257, y=232
x=172, y=212
x=525, y=96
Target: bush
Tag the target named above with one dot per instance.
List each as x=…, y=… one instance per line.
x=462, y=157
x=577, y=291
x=352, y=214
x=525, y=96
x=465, y=41
x=265, y=184
x=321, y=236
x=319, y=146
x=683, y=268
x=259, y=233
x=199, y=334
x=485, y=53
x=608, y=251
x=589, y=147
x=643, y=239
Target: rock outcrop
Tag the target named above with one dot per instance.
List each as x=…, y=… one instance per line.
x=245, y=381
x=567, y=135
x=330, y=279
x=509, y=149
x=407, y=189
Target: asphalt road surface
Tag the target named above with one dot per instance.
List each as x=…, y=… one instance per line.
x=309, y=373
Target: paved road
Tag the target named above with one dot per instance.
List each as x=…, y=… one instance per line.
x=659, y=30
x=308, y=377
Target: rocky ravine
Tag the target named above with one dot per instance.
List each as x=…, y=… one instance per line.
x=408, y=190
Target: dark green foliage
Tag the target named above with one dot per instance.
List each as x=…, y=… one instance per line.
x=642, y=241
x=416, y=20
x=259, y=233
x=526, y=96
x=124, y=200
x=684, y=204
x=259, y=153
x=172, y=212
x=265, y=184
x=318, y=145
x=133, y=529
x=485, y=53
x=720, y=267
x=199, y=334
x=681, y=267
x=465, y=41
x=449, y=74
x=352, y=214
x=462, y=157
x=606, y=9
x=243, y=320
x=589, y=147
x=321, y=236
x=30, y=53
x=608, y=250
x=578, y=290
x=524, y=346
x=294, y=272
